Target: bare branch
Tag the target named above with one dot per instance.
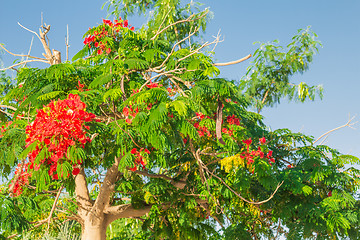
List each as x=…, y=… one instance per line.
x=348, y=124
x=241, y=197
x=173, y=49
x=21, y=55
x=29, y=30
x=67, y=42
x=233, y=62
x=24, y=62
x=189, y=19
x=54, y=206
x=31, y=43
x=9, y=107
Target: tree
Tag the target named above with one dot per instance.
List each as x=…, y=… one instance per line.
x=139, y=135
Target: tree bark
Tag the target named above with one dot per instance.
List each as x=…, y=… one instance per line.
x=94, y=230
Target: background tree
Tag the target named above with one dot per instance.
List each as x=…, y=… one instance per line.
x=139, y=136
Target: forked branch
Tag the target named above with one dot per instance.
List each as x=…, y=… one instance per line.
x=349, y=124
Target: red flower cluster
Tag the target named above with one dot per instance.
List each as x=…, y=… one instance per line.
x=58, y=126
x=233, y=120
x=200, y=116
x=249, y=156
x=202, y=130
x=228, y=131
x=140, y=160
x=153, y=85
x=95, y=40
x=130, y=114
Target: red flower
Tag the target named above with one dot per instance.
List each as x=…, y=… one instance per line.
x=134, y=151
x=196, y=125
x=262, y=140
x=289, y=166
x=199, y=115
x=149, y=106
x=185, y=140
x=126, y=23
x=99, y=51
x=247, y=141
x=153, y=85
x=75, y=171
x=201, y=133
x=47, y=141
x=233, y=120
x=108, y=50
x=147, y=151
x=133, y=168
x=269, y=154
x=126, y=111
x=329, y=193
x=129, y=121
x=132, y=28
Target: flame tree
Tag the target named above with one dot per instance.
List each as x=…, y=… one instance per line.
x=139, y=137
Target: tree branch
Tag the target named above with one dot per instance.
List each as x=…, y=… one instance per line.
x=107, y=188
x=22, y=55
x=82, y=193
x=189, y=19
x=54, y=206
x=233, y=62
x=23, y=62
x=348, y=124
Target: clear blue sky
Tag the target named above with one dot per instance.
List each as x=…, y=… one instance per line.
x=242, y=23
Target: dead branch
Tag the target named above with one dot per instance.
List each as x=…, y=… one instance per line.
x=31, y=43
x=29, y=30
x=22, y=55
x=348, y=124
x=67, y=42
x=23, y=62
x=233, y=62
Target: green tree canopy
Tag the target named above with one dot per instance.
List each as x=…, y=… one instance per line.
x=139, y=137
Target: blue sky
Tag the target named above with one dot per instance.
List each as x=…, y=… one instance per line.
x=242, y=23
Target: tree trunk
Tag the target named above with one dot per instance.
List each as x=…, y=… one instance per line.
x=94, y=230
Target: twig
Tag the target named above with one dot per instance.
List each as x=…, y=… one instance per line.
x=27, y=58
x=348, y=124
x=233, y=62
x=29, y=30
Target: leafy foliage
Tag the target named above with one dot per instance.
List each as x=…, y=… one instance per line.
x=180, y=140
